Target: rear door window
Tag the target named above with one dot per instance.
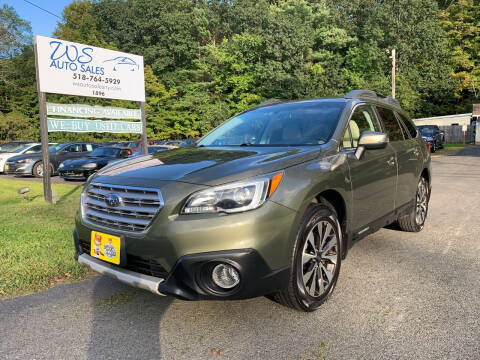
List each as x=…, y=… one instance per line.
x=87, y=147
x=391, y=123
x=408, y=124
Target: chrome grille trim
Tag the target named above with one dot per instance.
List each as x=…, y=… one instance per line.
x=135, y=213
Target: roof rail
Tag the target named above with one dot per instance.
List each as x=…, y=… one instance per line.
x=369, y=94
x=270, y=102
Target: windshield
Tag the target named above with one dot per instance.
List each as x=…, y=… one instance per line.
x=303, y=123
x=22, y=148
x=100, y=152
x=426, y=130
x=11, y=147
x=57, y=148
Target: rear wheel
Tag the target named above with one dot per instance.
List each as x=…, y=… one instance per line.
x=415, y=220
x=316, y=260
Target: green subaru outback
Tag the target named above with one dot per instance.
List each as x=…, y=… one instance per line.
x=266, y=204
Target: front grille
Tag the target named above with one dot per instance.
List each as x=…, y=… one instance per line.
x=134, y=213
x=135, y=263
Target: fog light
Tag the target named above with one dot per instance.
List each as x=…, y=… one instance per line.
x=225, y=276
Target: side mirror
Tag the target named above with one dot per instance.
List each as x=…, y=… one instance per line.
x=370, y=140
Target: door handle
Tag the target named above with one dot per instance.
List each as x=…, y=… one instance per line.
x=391, y=161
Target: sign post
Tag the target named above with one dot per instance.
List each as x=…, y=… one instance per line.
x=68, y=68
x=144, y=128
x=42, y=112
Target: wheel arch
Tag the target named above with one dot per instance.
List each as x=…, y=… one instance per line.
x=335, y=199
x=426, y=175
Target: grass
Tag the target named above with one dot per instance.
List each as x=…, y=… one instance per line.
x=36, y=246
x=454, y=146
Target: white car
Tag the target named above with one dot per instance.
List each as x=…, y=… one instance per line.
x=31, y=148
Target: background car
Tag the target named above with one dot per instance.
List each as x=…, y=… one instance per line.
x=82, y=168
x=433, y=136
x=151, y=150
x=32, y=164
x=10, y=146
x=132, y=145
x=189, y=142
x=32, y=148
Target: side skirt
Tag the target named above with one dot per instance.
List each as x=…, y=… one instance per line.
x=386, y=220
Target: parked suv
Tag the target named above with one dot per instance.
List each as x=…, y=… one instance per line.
x=433, y=136
x=266, y=204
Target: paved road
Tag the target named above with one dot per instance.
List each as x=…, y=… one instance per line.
x=54, y=179
x=400, y=296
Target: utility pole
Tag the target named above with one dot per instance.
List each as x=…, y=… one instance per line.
x=393, y=57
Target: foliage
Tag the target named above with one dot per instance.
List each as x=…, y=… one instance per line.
x=461, y=22
x=207, y=60
x=14, y=32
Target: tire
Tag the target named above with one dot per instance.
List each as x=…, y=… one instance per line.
x=305, y=291
x=415, y=220
x=37, y=170
x=434, y=148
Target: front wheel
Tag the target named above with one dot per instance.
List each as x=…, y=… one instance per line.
x=316, y=260
x=38, y=169
x=415, y=220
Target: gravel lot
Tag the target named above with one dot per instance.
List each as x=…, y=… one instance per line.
x=399, y=296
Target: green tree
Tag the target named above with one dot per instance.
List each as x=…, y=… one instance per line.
x=461, y=21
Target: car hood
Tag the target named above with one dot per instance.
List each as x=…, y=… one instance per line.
x=26, y=156
x=205, y=166
x=87, y=160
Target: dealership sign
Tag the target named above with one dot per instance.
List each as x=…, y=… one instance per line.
x=99, y=126
x=75, y=69
x=96, y=112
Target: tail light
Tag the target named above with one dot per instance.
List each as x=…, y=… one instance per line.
x=428, y=147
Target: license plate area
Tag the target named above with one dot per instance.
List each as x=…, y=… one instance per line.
x=106, y=247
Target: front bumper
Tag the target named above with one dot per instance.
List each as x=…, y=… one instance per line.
x=142, y=281
x=180, y=249
x=18, y=168
x=74, y=174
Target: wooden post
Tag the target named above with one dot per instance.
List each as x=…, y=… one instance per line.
x=42, y=108
x=144, y=128
x=393, y=72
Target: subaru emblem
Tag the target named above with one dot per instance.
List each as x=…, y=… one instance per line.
x=113, y=200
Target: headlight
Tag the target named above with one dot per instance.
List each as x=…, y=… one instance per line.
x=24, y=161
x=234, y=197
x=62, y=165
x=89, y=166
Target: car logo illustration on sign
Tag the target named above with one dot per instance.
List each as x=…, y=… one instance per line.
x=123, y=63
x=113, y=200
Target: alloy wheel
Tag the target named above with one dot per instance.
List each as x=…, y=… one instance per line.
x=40, y=170
x=319, y=258
x=421, y=202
